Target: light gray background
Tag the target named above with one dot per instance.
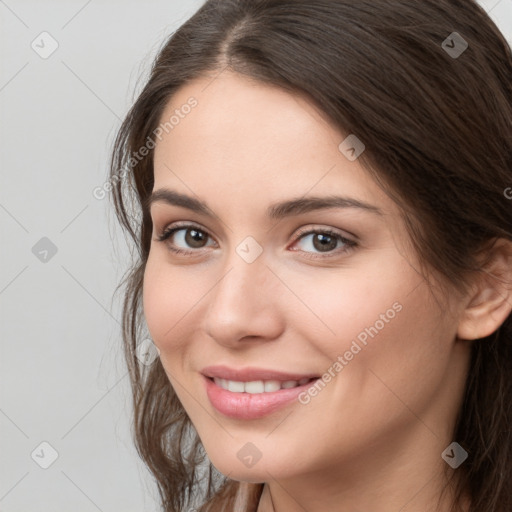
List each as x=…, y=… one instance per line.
x=62, y=373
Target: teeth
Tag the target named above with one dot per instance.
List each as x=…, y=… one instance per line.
x=258, y=386
x=236, y=387
x=272, y=385
x=289, y=384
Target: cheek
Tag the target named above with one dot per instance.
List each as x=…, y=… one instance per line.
x=339, y=305
x=366, y=326
x=398, y=357
x=168, y=297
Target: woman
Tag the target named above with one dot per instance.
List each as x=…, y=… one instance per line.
x=317, y=193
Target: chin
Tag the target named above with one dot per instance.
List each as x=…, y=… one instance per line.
x=235, y=471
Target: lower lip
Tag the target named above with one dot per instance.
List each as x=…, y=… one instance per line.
x=250, y=406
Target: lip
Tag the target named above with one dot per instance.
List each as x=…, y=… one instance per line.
x=252, y=373
x=250, y=406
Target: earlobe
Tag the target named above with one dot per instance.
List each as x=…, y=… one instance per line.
x=490, y=302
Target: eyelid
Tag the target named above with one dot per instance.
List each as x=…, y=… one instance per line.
x=324, y=229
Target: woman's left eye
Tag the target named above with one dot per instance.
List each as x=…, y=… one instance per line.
x=326, y=242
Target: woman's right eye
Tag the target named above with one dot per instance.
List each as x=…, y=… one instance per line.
x=189, y=236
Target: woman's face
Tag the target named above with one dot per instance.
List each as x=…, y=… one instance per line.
x=257, y=296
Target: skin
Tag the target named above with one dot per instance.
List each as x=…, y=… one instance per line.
x=372, y=438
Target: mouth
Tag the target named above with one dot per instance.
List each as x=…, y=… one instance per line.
x=253, y=374
x=259, y=386
x=253, y=393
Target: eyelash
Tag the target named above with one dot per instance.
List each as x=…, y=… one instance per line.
x=349, y=244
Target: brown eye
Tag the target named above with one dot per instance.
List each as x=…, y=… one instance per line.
x=195, y=238
x=323, y=242
x=316, y=242
x=184, y=239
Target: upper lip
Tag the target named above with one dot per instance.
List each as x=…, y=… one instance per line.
x=251, y=374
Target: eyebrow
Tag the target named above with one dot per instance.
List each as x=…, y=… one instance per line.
x=279, y=210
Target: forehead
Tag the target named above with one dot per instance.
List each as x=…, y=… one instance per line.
x=258, y=143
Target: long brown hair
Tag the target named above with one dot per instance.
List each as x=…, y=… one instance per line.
x=437, y=127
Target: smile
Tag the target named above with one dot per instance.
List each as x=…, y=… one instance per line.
x=252, y=393
x=259, y=386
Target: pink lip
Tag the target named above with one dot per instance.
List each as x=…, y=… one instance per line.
x=251, y=374
x=249, y=406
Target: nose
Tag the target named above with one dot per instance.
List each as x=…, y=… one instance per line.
x=245, y=304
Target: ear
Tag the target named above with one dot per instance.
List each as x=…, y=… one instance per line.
x=490, y=301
